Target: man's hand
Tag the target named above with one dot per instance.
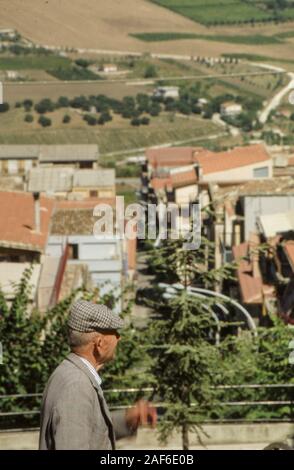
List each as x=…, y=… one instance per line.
x=142, y=414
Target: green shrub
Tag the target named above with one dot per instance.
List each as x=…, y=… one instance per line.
x=44, y=121
x=83, y=63
x=135, y=121
x=66, y=119
x=145, y=121
x=63, y=102
x=90, y=120
x=29, y=118
x=28, y=104
x=4, y=107
x=45, y=106
x=150, y=71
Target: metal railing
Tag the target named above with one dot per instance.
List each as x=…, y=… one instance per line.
x=148, y=390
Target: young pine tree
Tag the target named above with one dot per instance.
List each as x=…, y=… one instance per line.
x=185, y=355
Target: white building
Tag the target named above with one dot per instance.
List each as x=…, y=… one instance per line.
x=167, y=92
x=109, y=68
x=110, y=261
x=230, y=109
x=12, y=74
x=239, y=164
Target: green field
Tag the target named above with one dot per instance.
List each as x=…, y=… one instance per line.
x=210, y=12
x=27, y=62
x=286, y=34
x=73, y=73
x=258, y=58
x=254, y=39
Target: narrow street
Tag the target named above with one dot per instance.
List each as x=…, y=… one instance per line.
x=141, y=313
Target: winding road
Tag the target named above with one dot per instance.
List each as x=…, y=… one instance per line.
x=276, y=99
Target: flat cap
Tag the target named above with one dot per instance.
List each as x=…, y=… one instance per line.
x=86, y=317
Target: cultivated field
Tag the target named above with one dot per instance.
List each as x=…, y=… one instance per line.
x=103, y=24
x=116, y=136
x=107, y=25
x=228, y=11
x=14, y=92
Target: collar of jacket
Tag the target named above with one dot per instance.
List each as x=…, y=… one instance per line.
x=74, y=358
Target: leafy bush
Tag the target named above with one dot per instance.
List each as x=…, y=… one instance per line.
x=106, y=116
x=4, y=107
x=29, y=118
x=155, y=109
x=66, y=119
x=150, y=71
x=45, y=106
x=135, y=121
x=63, y=102
x=145, y=121
x=83, y=63
x=28, y=104
x=79, y=102
x=90, y=120
x=44, y=121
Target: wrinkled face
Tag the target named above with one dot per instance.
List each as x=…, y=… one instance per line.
x=106, y=343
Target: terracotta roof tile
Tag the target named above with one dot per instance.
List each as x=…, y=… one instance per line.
x=160, y=183
x=183, y=178
x=213, y=162
x=171, y=156
x=17, y=220
x=252, y=288
x=88, y=203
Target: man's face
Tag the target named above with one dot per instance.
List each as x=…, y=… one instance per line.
x=106, y=345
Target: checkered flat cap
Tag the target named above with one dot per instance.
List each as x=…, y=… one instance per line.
x=86, y=317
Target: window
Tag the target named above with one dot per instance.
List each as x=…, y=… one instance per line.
x=86, y=165
x=261, y=172
x=12, y=167
x=73, y=252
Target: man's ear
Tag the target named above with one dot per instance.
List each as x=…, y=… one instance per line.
x=98, y=340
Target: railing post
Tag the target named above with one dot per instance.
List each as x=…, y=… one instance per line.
x=1, y=353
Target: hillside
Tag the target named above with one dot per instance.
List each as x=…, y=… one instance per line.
x=108, y=24
x=103, y=24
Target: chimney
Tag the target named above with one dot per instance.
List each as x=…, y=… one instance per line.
x=37, y=213
x=199, y=171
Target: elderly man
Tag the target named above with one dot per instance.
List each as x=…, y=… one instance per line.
x=74, y=413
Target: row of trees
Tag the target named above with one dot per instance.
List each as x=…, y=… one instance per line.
x=139, y=109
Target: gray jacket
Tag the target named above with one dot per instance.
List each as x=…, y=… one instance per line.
x=74, y=414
